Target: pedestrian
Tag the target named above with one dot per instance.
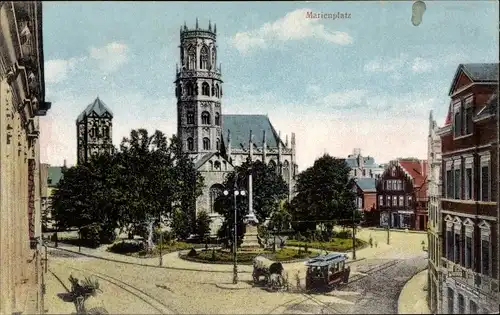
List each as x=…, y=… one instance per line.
x=376, y=243
x=371, y=241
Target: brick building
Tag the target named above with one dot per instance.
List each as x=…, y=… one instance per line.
x=366, y=199
x=22, y=101
x=469, y=197
x=402, y=195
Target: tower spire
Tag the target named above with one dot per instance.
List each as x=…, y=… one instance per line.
x=215, y=28
x=196, y=23
x=209, y=25
x=185, y=26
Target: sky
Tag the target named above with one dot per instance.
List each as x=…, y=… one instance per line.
x=365, y=80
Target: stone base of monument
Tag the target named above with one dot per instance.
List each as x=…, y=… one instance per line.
x=250, y=239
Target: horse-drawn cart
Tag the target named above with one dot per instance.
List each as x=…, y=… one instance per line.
x=270, y=270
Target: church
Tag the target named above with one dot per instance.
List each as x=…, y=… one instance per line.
x=217, y=142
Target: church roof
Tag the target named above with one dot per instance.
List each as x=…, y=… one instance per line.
x=96, y=106
x=54, y=175
x=240, y=126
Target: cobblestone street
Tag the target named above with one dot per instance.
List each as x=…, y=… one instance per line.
x=187, y=288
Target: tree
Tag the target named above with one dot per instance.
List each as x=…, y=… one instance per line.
x=180, y=223
x=324, y=193
x=281, y=218
x=268, y=191
x=203, y=225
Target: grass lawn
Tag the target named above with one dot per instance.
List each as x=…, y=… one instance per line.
x=222, y=256
x=334, y=245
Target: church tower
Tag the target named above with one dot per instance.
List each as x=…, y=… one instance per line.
x=199, y=91
x=94, y=131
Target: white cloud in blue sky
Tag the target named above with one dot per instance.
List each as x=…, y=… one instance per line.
x=367, y=81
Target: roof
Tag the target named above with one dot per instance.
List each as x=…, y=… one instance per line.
x=325, y=260
x=368, y=161
x=96, y=106
x=240, y=126
x=366, y=184
x=54, y=175
x=418, y=171
x=477, y=72
x=204, y=159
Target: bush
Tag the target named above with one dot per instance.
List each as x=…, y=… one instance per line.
x=192, y=253
x=344, y=234
x=107, y=236
x=167, y=237
x=90, y=235
x=126, y=247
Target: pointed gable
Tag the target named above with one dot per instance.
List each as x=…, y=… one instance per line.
x=240, y=126
x=473, y=72
x=98, y=108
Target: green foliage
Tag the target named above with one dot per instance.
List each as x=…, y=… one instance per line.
x=192, y=253
x=180, y=224
x=141, y=180
x=203, y=225
x=126, y=247
x=324, y=193
x=268, y=190
x=90, y=235
x=223, y=256
x=280, y=218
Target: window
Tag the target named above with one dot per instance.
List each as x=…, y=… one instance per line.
x=450, y=300
x=192, y=58
x=189, y=89
x=457, y=126
x=409, y=202
x=401, y=201
x=190, y=117
x=206, y=144
x=217, y=92
x=190, y=144
x=449, y=183
x=468, y=125
x=380, y=200
x=468, y=182
x=204, y=58
x=355, y=173
x=468, y=251
x=461, y=304
x=472, y=307
x=485, y=257
x=388, y=199
x=389, y=185
x=456, y=256
x=205, y=118
x=213, y=57
x=456, y=180
x=217, y=144
x=394, y=200
x=205, y=89
x=485, y=178
x=449, y=245
x=400, y=185
x=217, y=119
x=364, y=172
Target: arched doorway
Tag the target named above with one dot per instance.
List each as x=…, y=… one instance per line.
x=215, y=191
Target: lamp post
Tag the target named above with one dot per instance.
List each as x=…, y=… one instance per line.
x=236, y=192
x=354, y=234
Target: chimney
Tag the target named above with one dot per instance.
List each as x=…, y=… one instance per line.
x=64, y=163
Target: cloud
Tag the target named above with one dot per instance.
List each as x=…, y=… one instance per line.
x=110, y=57
x=384, y=126
x=293, y=26
x=385, y=64
x=57, y=70
x=421, y=65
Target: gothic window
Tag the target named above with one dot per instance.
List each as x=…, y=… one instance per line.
x=206, y=144
x=192, y=58
x=217, y=92
x=182, y=56
x=190, y=117
x=213, y=90
x=204, y=58
x=205, y=89
x=205, y=118
x=217, y=119
x=213, y=58
x=215, y=192
x=189, y=89
x=190, y=144
x=106, y=132
x=286, y=170
x=217, y=144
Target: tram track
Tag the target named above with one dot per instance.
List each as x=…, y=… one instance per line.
x=147, y=298
x=375, y=269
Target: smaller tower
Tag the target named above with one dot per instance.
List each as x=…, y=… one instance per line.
x=94, y=131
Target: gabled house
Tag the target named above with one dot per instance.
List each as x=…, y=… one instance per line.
x=402, y=194
x=366, y=199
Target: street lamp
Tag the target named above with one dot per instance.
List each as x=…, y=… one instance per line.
x=235, y=192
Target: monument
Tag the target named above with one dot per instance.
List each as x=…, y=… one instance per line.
x=250, y=239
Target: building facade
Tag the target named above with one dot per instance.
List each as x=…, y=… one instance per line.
x=217, y=142
x=50, y=177
x=363, y=166
x=22, y=101
x=469, y=198
x=366, y=200
x=434, y=223
x=94, y=127
x=402, y=195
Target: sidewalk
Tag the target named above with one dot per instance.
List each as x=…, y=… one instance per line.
x=413, y=298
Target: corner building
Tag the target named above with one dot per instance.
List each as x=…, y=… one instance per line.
x=22, y=101
x=469, y=259
x=217, y=142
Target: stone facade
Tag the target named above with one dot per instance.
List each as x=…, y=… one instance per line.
x=216, y=142
x=22, y=101
x=434, y=210
x=94, y=130
x=469, y=210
